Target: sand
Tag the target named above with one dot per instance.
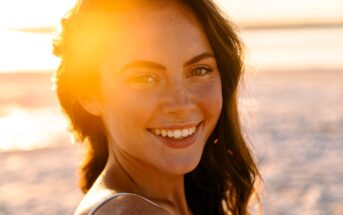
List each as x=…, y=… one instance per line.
x=296, y=126
x=39, y=182
x=294, y=121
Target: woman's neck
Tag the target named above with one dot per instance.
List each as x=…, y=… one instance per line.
x=123, y=174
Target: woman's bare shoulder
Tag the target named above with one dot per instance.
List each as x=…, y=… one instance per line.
x=129, y=204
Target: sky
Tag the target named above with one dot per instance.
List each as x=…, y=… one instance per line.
x=23, y=13
x=284, y=11
x=29, y=51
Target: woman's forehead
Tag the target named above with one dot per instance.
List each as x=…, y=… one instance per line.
x=123, y=6
x=166, y=14
x=150, y=22
x=157, y=35
x=153, y=29
x=163, y=9
x=125, y=14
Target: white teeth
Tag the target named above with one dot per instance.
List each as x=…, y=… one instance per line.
x=175, y=133
x=170, y=133
x=185, y=132
x=190, y=130
x=163, y=132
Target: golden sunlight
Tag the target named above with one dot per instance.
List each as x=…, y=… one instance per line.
x=25, y=52
x=25, y=129
x=30, y=14
x=26, y=31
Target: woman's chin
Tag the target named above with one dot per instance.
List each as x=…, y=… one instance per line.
x=181, y=167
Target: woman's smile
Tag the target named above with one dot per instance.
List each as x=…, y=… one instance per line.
x=177, y=136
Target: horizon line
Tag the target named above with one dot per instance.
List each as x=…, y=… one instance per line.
x=243, y=26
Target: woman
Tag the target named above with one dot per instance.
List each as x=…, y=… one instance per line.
x=150, y=87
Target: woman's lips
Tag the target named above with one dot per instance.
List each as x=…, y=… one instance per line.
x=175, y=137
x=174, y=133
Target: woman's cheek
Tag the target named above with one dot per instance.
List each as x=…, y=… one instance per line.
x=210, y=95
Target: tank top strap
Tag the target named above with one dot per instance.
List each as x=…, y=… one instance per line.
x=113, y=196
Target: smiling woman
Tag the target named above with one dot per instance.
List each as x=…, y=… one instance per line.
x=151, y=89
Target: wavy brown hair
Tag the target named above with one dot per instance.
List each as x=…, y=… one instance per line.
x=223, y=181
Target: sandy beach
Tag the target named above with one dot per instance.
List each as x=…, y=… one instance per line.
x=41, y=181
x=294, y=121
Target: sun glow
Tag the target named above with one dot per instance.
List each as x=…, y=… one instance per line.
x=26, y=52
x=25, y=130
x=26, y=32
x=35, y=13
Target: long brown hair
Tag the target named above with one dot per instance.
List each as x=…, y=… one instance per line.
x=224, y=179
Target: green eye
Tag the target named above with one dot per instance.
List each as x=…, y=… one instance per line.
x=200, y=71
x=144, y=79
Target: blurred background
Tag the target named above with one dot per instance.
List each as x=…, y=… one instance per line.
x=291, y=106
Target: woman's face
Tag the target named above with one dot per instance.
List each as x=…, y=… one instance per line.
x=160, y=95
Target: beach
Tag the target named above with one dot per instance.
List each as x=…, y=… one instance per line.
x=41, y=181
x=293, y=120
x=296, y=125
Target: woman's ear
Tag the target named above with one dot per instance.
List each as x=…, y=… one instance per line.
x=91, y=104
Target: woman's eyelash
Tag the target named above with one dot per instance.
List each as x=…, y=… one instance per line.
x=201, y=71
x=144, y=79
x=150, y=78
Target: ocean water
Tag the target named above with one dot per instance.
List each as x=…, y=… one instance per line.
x=24, y=129
x=30, y=117
x=294, y=49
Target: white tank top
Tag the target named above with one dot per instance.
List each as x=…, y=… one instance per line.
x=98, y=205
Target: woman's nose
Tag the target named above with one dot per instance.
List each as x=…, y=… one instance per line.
x=177, y=99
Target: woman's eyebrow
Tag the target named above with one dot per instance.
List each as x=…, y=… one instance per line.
x=143, y=64
x=154, y=65
x=199, y=58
